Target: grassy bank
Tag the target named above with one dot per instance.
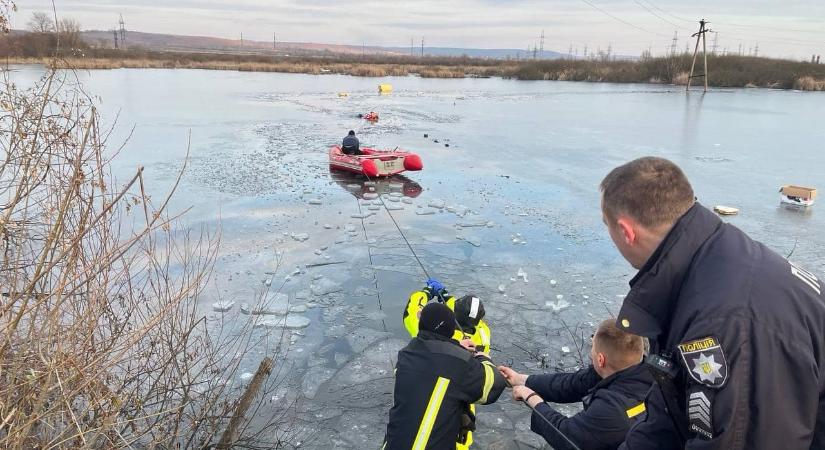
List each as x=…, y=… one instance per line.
x=725, y=71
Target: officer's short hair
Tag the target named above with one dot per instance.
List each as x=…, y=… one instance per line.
x=651, y=190
x=621, y=348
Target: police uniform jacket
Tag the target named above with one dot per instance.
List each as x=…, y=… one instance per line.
x=742, y=329
x=435, y=380
x=611, y=405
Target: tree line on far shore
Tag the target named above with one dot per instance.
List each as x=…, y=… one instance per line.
x=46, y=39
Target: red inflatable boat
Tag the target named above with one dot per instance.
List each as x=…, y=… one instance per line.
x=374, y=163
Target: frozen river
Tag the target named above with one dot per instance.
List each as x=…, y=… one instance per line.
x=508, y=211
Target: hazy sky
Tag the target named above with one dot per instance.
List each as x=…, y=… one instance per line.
x=786, y=28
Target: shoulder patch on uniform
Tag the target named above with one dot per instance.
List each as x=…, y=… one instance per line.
x=705, y=361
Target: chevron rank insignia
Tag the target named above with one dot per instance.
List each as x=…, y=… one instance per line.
x=705, y=361
x=700, y=410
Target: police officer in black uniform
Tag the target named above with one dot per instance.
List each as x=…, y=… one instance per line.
x=737, y=332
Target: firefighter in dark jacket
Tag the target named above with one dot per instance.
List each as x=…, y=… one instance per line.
x=737, y=332
x=612, y=390
x=436, y=380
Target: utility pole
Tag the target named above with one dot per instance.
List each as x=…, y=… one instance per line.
x=756, y=50
x=541, y=48
x=241, y=40
x=422, y=46
x=274, y=42
x=700, y=35
x=412, y=46
x=570, y=51
x=585, y=51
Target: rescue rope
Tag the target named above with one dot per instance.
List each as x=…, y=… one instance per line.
x=546, y=420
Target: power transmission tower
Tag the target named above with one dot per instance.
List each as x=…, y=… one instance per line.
x=541, y=48
x=715, y=43
x=274, y=42
x=422, y=46
x=570, y=52
x=756, y=50
x=674, y=43
x=585, y=51
x=114, y=31
x=700, y=35
x=535, y=51
x=412, y=46
x=122, y=29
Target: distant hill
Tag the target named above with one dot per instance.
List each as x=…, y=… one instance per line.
x=497, y=53
x=179, y=43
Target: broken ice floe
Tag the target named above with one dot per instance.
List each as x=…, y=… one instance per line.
x=325, y=286
x=436, y=203
x=222, y=306
x=361, y=216
x=565, y=349
x=370, y=196
x=277, y=304
x=315, y=201
x=425, y=212
x=522, y=274
x=292, y=321
x=558, y=305
x=300, y=237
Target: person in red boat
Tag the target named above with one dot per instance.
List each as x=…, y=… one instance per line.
x=351, y=145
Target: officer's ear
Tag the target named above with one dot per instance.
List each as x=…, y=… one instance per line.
x=628, y=230
x=601, y=361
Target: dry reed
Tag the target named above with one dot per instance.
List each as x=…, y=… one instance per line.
x=101, y=345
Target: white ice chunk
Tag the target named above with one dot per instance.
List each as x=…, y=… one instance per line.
x=370, y=196
x=436, y=203
x=222, y=306
x=300, y=237
x=522, y=274
x=315, y=201
x=557, y=306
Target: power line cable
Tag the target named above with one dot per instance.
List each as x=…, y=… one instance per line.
x=597, y=8
x=658, y=15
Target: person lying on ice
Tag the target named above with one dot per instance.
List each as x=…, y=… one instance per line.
x=436, y=381
x=612, y=389
x=468, y=309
